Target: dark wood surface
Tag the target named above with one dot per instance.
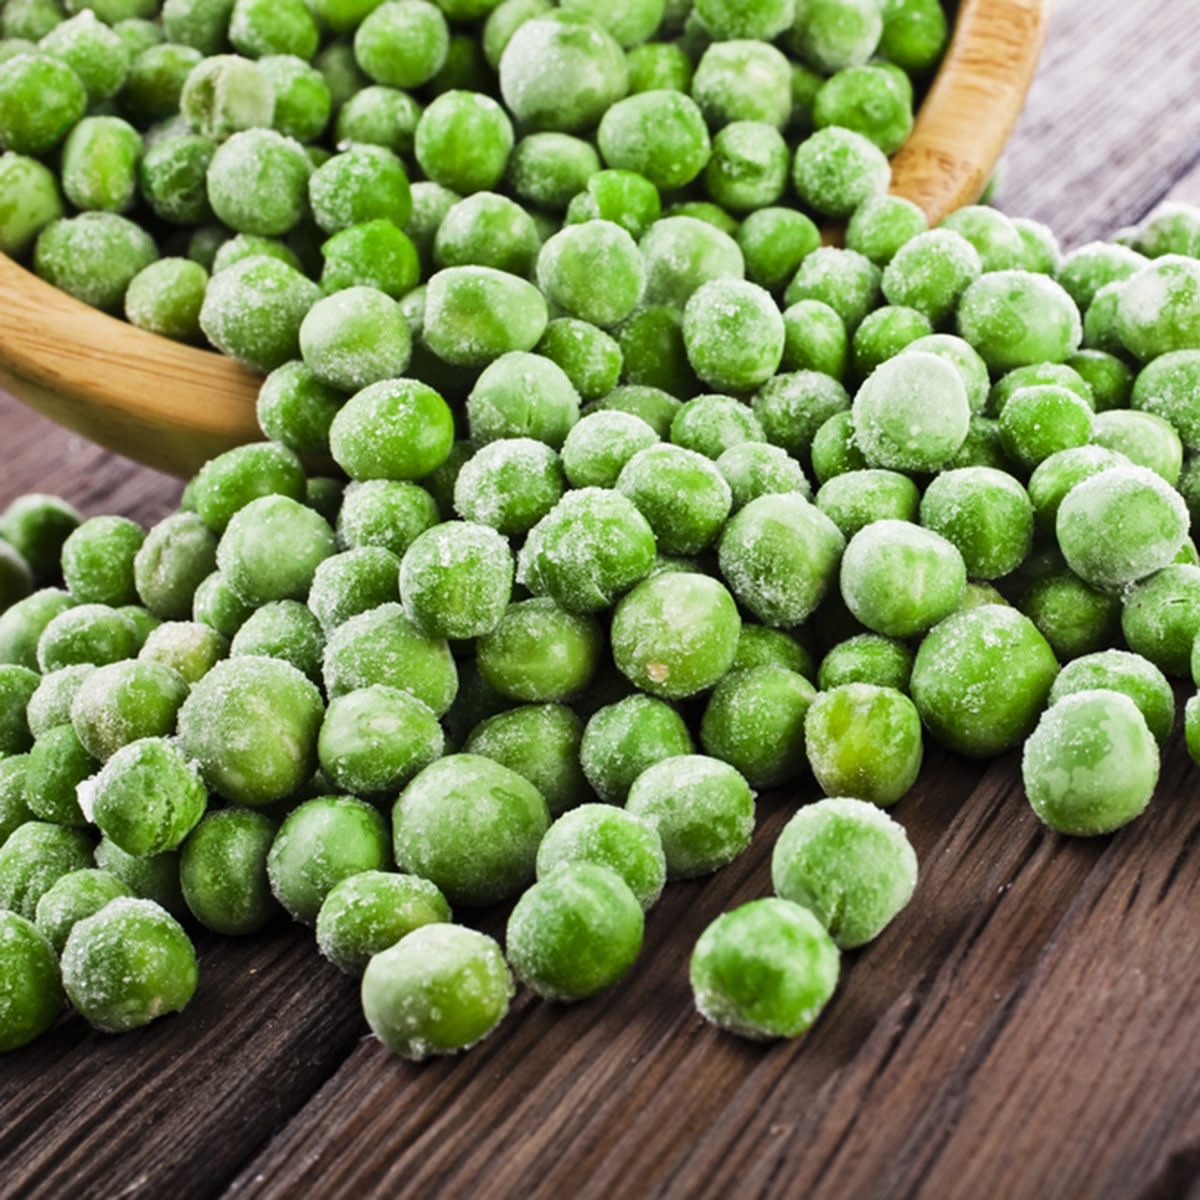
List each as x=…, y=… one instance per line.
x=1029, y=1027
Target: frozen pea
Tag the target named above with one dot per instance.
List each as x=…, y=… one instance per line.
x=982, y=447
x=753, y=469
x=216, y=605
x=660, y=135
x=225, y=94
x=748, y=168
x=157, y=76
x=1073, y=617
x=248, y=245
x=881, y=225
x=336, y=63
x=504, y=20
x=1143, y=438
x=227, y=483
x=100, y=164
x=395, y=429
x=814, y=339
x=835, y=170
x=868, y=100
x=774, y=242
x=441, y=989
x=759, y=646
x=318, y=845
x=252, y=311
x=1120, y=525
x=849, y=864
x=1122, y=671
x=1100, y=320
x=29, y=201
x=1169, y=387
x=702, y=809
x=257, y=182
x=473, y=315
x=456, y=580
x=623, y=197
x=353, y=582
x=370, y=912
x=831, y=35
x=540, y=742
x=16, y=579
x=901, y=580
x=743, y=79
x=285, y=630
x=981, y=678
x=128, y=965
x=153, y=878
x=779, y=554
x=373, y=254
x=651, y=405
x=1041, y=251
x=575, y=932
x=166, y=298
x=734, y=334
x=593, y=546
x=867, y=658
x=34, y=857
x=362, y=183
x=912, y=414
x=21, y=625
x=14, y=812
x=539, y=652
x=1170, y=229
x=930, y=272
x=17, y=686
x=914, y=33
x=991, y=233
x=33, y=994
x=380, y=116
x=356, y=337
x=74, y=898
x=41, y=98
x=608, y=837
x=303, y=103
x=561, y=72
x=1087, y=269
x=590, y=358
x=472, y=826
x=659, y=66
x=488, y=230
x=848, y=282
x=1092, y=764
x=50, y=703
x=403, y=43
x=624, y=739
x=272, y=547
x=188, y=648
x=276, y=713
x=764, y=970
x=93, y=256
x=986, y=514
x=463, y=141
x=266, y=27
x=147, y=798
x=1042, y=420
x=592, y=271
x=92, y=50
x=385, y=513
x=29, y=20
x=683, y=253
x=383, y=647
x=549, y=169
x=87, y=633
x=755, y=722
x=1160, y=617
x=681, y=494
x=1016, y=318
x=727, y=19
x=55, y=768
x=792, y=407
x=223, y=871
x=884, y=334
x=123, y=702
x=864, y=741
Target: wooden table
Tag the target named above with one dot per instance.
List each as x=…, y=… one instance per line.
x=1029, y=1027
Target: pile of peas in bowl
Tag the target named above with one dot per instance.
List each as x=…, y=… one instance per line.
x=645, y=501
x=211, y=169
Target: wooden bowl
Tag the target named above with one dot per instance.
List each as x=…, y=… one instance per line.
x=173, y=406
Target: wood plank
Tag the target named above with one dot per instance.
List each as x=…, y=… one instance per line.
x=183, y=1102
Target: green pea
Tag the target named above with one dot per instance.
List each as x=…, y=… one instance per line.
x=33, y=996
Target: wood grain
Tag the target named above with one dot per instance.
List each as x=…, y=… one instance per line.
x=1028, y=1028
x=175, y=406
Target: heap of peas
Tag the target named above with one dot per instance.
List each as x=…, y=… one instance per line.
x=647, y=510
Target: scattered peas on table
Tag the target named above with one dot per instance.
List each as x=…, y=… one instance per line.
x=597, y=496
